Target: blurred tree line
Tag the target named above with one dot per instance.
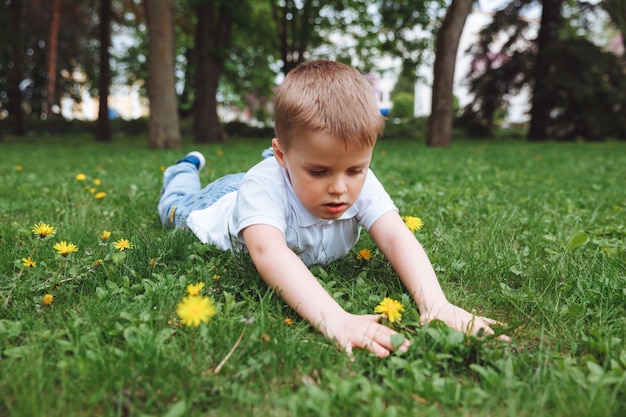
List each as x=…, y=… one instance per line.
x=188, y=56
x=578, y=87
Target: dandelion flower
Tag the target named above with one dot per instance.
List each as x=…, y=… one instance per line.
x=194, y=289
x=288, y=321
x=81, y=177
x=122, y=245
x=97, y=263
x=43, y=230
x=96, y=181
x=391, y=308
x=105, y=235
x=18, y=168
x=216, y=277
x=194, y=310
x=65, y=248
x=364, y=255
x=413, y=223
x=47, y=299
x=28, y=263
x=100, y=195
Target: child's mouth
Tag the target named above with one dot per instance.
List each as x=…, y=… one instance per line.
x=335, y=207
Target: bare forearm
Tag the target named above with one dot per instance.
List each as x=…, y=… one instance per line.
x=282, y=270
x=417, y=274
x=409, y=260
x=299, y=288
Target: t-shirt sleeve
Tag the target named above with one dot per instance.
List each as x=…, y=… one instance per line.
x=373, y=202
x=261, y=200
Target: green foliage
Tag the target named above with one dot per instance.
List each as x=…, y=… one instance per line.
x=58, y=125
x=582, y=92
x=402, y=106
x=590, y=101
x=412, y=128
x=532, y=235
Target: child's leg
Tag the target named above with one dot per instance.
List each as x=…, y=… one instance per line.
x=181, y=193
x=180, y=182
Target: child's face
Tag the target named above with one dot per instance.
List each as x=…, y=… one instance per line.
x=326, y=176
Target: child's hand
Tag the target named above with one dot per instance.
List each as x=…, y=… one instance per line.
x=364, y=332
x=461, y=320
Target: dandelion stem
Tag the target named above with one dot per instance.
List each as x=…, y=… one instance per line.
x=192, y=346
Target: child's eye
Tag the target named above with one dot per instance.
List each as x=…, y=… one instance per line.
x=355, y=171
x=317, y=172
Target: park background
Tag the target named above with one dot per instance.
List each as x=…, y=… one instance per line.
x=523, y=215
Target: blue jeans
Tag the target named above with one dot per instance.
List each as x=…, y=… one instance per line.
x=181, y=193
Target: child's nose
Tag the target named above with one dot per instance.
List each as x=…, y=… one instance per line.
x=337, y=186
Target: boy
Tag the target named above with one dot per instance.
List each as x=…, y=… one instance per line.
x=306, y=203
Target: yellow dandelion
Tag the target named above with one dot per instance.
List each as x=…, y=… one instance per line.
x=18, y=168
x=43, y=230
x=28, y=263
x=391, y=308
x=219, y=152
x=413, y=223
x=47, y=299
x=100, y=195
x=97, y=263
x=288, y=321
x=96, y=181
x=162, y=168
x=152, y=263
x=80, y=177
x=92, y=190
x=364, y=255
x=122, y=245
x=65, y=248
x=105, y=235
x=216, y=277
x=194, y=310
x=194, y=289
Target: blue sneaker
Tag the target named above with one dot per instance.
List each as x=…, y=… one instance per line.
x=195, y=158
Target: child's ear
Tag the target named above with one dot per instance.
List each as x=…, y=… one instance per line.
x=278, y=152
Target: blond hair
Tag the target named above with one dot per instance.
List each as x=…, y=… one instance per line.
x=328, y=97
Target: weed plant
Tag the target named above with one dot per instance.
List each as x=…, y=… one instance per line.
x=530, y=234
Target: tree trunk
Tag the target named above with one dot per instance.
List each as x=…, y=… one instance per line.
x=541, y=103
x=447, y=43
x=15, y=73
x=164, y=128
x=53, y=45
x=213, y=35
x=103, y=131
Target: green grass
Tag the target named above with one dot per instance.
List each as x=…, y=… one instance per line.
x=530, y=234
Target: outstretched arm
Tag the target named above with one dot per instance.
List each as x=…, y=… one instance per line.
x=282, y=270
x=412, y=265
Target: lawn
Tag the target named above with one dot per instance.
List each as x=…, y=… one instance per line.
x=533, y=235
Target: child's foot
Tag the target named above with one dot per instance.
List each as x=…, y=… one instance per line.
x=195, y=158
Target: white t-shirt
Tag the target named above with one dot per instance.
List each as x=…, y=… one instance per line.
x=266, y=197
